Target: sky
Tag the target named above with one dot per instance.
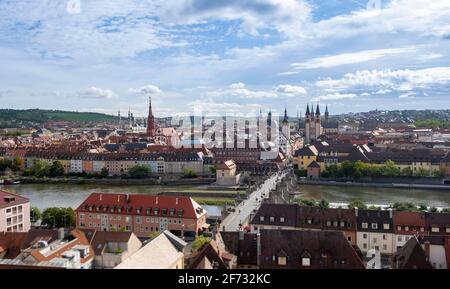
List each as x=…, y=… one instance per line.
x=224, y=56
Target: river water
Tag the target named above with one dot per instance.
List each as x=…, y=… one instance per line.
x=375, y=196
x=72, y=195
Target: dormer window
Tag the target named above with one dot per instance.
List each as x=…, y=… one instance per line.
x=261, y=218
x=374, y=226
x=386, y=227
x=148, y=211
x=282, y=219
x=164, y=211
x=156, y=211
x=272, y=219
x=282, y=261
x=306, y=262
x=180, y=212
x=172, y=212
x=364, y=225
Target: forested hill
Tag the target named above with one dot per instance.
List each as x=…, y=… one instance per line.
x=41, y=116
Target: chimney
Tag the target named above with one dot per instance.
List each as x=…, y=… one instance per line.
x=390, y=213
x=156, y=200
x=61, y=233
x=356, y=212
x=241, y=235
x=258, y=249
x=427, y=249
x=128, y=198
x=176, y=201
x=118, y=198
x=101, y=197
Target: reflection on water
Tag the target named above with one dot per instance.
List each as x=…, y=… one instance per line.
x=381, y=196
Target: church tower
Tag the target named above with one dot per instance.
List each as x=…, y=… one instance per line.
x=327, y=114
x=150, y=120
x=269, y=125
x=307, y=125
x=285, y=127
x=318, y=124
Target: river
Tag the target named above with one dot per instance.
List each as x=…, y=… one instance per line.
x=376, y=196
x=69, y=195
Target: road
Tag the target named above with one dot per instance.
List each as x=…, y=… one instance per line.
x=246, y=207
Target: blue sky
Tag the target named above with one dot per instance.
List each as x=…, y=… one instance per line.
x=231, y=56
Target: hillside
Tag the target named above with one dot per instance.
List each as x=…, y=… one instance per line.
x=11, y=116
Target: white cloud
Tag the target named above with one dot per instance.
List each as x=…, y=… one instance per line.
x=98, y=93
x=402, y=80
x=146, y=90
x=350, y=58
x=334, y=96
x=291, y=89
x=240, y=90
x=286, y=16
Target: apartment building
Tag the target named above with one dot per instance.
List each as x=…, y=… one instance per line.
x=14, y=213
x=141, y=214
x=375, y=230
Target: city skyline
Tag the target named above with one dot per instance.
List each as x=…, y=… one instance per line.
x=226, y=56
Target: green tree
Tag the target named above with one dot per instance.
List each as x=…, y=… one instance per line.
x=409, y=207
x=212, y=170
x=139, y=172
x=308, y=202
x=41, y=169
x=59, y=217
x=422, y=207
x=18, y=164
x=56, y=169
x=324, y=204
x=301, y=173
x=407, y=172
x=445, y=210
x=357, y=204
x=199, y=242
x=390, y=169
x=325, y=174
x=189, y=174
x=35, y=215
x=422, y=172
x=348, y=168
x=104, y=173
x=433, y=209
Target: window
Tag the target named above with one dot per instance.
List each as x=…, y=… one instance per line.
x=261, y=218
x=306, y=262
x=328, y=223
x=342, y=224
x=364, y=225
x=335, y=223
x=138, y=220
x=406, y=228
x=282, y=261
x=384, y=247
x=399, y=238
x=374, y=240
x=386, y=227
x=435, y=229
x=81, y=216
x=282, y=221
x=384, y=237
x=447, y=230
x=349, y=238
x=272, y=219
x=399, y=228
x=374, y=226
x=364, y=236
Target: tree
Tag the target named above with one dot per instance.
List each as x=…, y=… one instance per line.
x=104, y=173
x=59, y=217
x=199, y=242
x=139, y=172
x=18, y=164
x=308, y=202
x=408, y=207
x=35, y=214
x=41, y=169
x=189, y=174
x=301, y=173
x=422, y=207
x=212, y=170
x=445, y=210
x=357, y=204
x=390, y=169
x=433, y=210
x=154, y=234
x=325, y=174
x=324, y=204
x=422, y=172
x=347, y=168
x=407, y=172
x=56, y=169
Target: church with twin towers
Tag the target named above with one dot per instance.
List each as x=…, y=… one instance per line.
x=313, y=123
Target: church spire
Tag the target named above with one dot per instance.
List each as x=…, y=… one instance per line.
x=317, y=110
x=285, y=119
x=307, y=110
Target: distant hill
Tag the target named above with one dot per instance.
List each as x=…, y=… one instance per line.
x=41, y=116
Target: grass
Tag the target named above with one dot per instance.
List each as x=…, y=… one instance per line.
x=214, y=201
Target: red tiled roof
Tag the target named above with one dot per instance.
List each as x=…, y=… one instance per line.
x=13, y=199
x=138, y=205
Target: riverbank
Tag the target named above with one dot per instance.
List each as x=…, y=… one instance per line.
x=115, y=181
x=374, y=185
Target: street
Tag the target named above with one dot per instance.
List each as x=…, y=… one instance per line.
x=246, y=207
